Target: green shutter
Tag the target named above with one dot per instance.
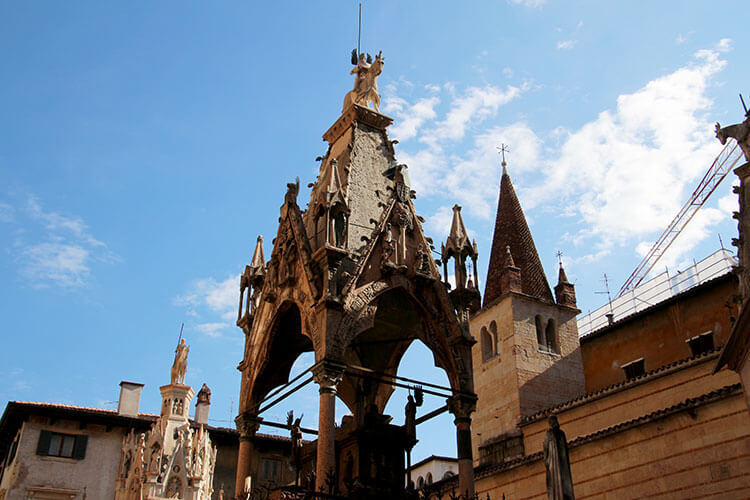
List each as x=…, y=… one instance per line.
x=79, y=450
x=42, y=448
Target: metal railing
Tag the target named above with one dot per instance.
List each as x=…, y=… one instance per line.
x=656, y=290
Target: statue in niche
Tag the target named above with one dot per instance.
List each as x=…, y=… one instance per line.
x=557, y=463
x=178, y=406
x=179, y=366
x=423, y=261
x=155, y=458
x=389, y=247
x=339, y=230
x=174, y=488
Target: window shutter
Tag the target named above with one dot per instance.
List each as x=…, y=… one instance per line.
x=79, y=450
x=42, y=448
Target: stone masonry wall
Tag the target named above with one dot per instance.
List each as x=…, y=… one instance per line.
x=684, y=455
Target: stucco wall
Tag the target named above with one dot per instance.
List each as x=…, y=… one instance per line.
x=96, y=471
x=658, y=336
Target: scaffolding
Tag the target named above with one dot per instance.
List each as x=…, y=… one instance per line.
x=656, y=290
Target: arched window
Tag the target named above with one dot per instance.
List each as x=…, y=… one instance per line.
x=486, y=344
x=429, y=478
x=541, y=339
x=551, y=337
x=448, y=474
x=493, y=332
x=420, y=483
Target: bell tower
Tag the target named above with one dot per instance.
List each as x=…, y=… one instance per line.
x=528, y=355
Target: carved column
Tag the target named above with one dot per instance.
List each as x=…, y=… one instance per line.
x=462, y=407
x=248, y=426
x=327, y=375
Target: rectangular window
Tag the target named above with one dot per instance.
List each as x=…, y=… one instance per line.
x=270, y=470
x=55, y=444
x=701, y=343
x=634, y=369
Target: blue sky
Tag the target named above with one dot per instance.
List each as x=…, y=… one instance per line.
x=144, y=146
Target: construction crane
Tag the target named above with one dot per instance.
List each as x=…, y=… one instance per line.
x=722, y=165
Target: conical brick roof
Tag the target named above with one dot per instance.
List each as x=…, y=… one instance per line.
x=511, y=230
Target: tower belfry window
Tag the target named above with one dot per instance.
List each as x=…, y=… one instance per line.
x=541, y=337
x=486, y=344
x=551, y=337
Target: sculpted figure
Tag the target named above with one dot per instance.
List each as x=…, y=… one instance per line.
x=361, y=71
x=179, y=366
x=366, y=83
x=557, y=463
x=410, y=421
x=296, y=431
x=740, y=132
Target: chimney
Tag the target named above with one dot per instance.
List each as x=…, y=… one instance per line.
x=130, y=398
x=202, y=405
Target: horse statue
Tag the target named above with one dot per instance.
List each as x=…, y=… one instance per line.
x=179, y=367
x=366, y=83
x=740, y=132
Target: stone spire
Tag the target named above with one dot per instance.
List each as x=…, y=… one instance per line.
x=459, y=247
x=512, y=231
x=510, y=276
x=257, y=266
x=565, y=292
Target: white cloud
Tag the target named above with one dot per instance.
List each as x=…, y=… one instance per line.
x=58, y=223
x=566, y=44
x=508, y=72
x=474, y=106
x=52, y=249
x=623, y=175
x=211, y=329
x=410, y=118
x=64, y=265
x=217, y=300
x=529, y=3
x=6, y=213
x=680, y=38
x=724, y=45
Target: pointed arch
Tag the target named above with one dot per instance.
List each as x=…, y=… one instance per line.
x=282, y=345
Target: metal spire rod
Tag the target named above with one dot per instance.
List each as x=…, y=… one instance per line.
x=359, y=31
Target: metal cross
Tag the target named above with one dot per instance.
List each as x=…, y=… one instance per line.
x=559, y=257
x=502, y=149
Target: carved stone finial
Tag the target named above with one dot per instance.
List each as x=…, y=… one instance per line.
x=204, y=395
x=292, y=190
